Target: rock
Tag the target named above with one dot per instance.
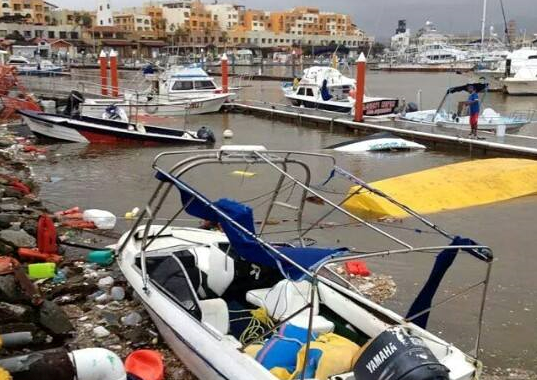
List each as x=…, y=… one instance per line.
x=6, y=249
x=30, y=226
x=105, y=283
x=9, y=290
x=117, y=293
x=52, y=317
x=12, y=192
x=6, y=220
x=100, y=332
x=17, y=239
x=14, y=313
x=132, y=319
x=11, y=207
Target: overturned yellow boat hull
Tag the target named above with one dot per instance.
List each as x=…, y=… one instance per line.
x=448, y=187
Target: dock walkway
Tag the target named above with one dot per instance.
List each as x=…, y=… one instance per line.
x=510, y=145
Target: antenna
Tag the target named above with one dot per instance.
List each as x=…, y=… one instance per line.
x=506, y=30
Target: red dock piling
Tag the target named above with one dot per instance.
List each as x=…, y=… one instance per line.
x=225, y=74
x=360, y=88
x=114, y=74
x=103, y=63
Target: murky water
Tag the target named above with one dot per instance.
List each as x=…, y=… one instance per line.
x=120, y=178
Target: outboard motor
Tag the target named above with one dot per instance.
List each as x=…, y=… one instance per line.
x=397, y=355
x=206, y=134
x=74, y=101
x=412, y=107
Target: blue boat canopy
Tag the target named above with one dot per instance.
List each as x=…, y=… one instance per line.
x=243, y=240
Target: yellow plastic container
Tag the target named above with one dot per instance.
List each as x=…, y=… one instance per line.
x=42, y=270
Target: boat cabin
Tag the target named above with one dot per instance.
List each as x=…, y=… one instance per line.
x=188, y=81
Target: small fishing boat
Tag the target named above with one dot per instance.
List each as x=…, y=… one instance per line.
x=377, y=142
x=489, y=120
x=85, y=129
x=326, y=89
x=240, y=302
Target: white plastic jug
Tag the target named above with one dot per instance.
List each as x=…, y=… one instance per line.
x=103, y=220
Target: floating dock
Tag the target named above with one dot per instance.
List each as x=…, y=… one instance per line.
x=438, y=137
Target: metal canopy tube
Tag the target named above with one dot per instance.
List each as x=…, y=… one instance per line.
x=395, y=239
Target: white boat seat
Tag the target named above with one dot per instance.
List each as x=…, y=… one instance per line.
x=284, y=299
x=215, y=312
x=320, y=325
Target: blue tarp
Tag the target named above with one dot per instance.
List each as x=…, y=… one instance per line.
x=443, y=262
x=244, y=243
x=325, y=92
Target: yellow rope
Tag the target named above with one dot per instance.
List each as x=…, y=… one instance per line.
x=256, y=327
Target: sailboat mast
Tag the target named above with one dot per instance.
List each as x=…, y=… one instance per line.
x=483, y=24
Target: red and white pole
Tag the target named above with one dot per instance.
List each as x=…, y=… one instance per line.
x=103, y=63
x=114, y=74
x=225, y=74
x=360, y=88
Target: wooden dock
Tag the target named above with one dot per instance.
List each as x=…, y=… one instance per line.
x=509, y=145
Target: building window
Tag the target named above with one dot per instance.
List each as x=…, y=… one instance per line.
x=101, y=22
x=51, y=34
x=108, y=6
x=63, y=35
x=74, y=35
x=100, y=7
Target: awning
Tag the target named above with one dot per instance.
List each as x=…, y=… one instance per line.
x=153, y=43
x=479, y=87
x=229, y=214
x=117, y=43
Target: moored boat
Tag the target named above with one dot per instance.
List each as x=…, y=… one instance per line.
x=326, y=89
x=85, y=129
x=489, y=120
x=301, y=319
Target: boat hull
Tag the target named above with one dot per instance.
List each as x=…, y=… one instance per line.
x=520, y=87
x=379, y=145
x=375, y=107
x=92, y=130
x=96, y=108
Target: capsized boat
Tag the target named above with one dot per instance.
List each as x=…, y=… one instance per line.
x=238, y=302
x=85, y=129
x=377, y=142
x=489, y=120
x=326, y=89
x=448, y=187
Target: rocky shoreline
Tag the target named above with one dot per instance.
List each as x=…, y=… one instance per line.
x=84, y=304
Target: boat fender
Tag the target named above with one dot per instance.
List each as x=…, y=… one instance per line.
x=140, y=128
x=97, y=364
x=397, y=355
x=205, y=133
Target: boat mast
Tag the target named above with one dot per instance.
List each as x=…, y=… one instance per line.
x=483, y=22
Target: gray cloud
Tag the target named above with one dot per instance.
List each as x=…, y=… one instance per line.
x=379, y=17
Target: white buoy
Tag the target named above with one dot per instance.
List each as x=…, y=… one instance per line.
x=228, y=134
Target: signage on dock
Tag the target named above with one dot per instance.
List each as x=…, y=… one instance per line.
x=380, y=107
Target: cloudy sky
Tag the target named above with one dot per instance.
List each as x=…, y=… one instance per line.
x=379, y=17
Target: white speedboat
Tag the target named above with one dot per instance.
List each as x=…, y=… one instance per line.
x=233, y=306
x=489, y=120
x=326, y=89
x=523, y=83
x=377, y=142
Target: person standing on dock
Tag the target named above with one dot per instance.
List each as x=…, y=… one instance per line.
x=473, y=105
